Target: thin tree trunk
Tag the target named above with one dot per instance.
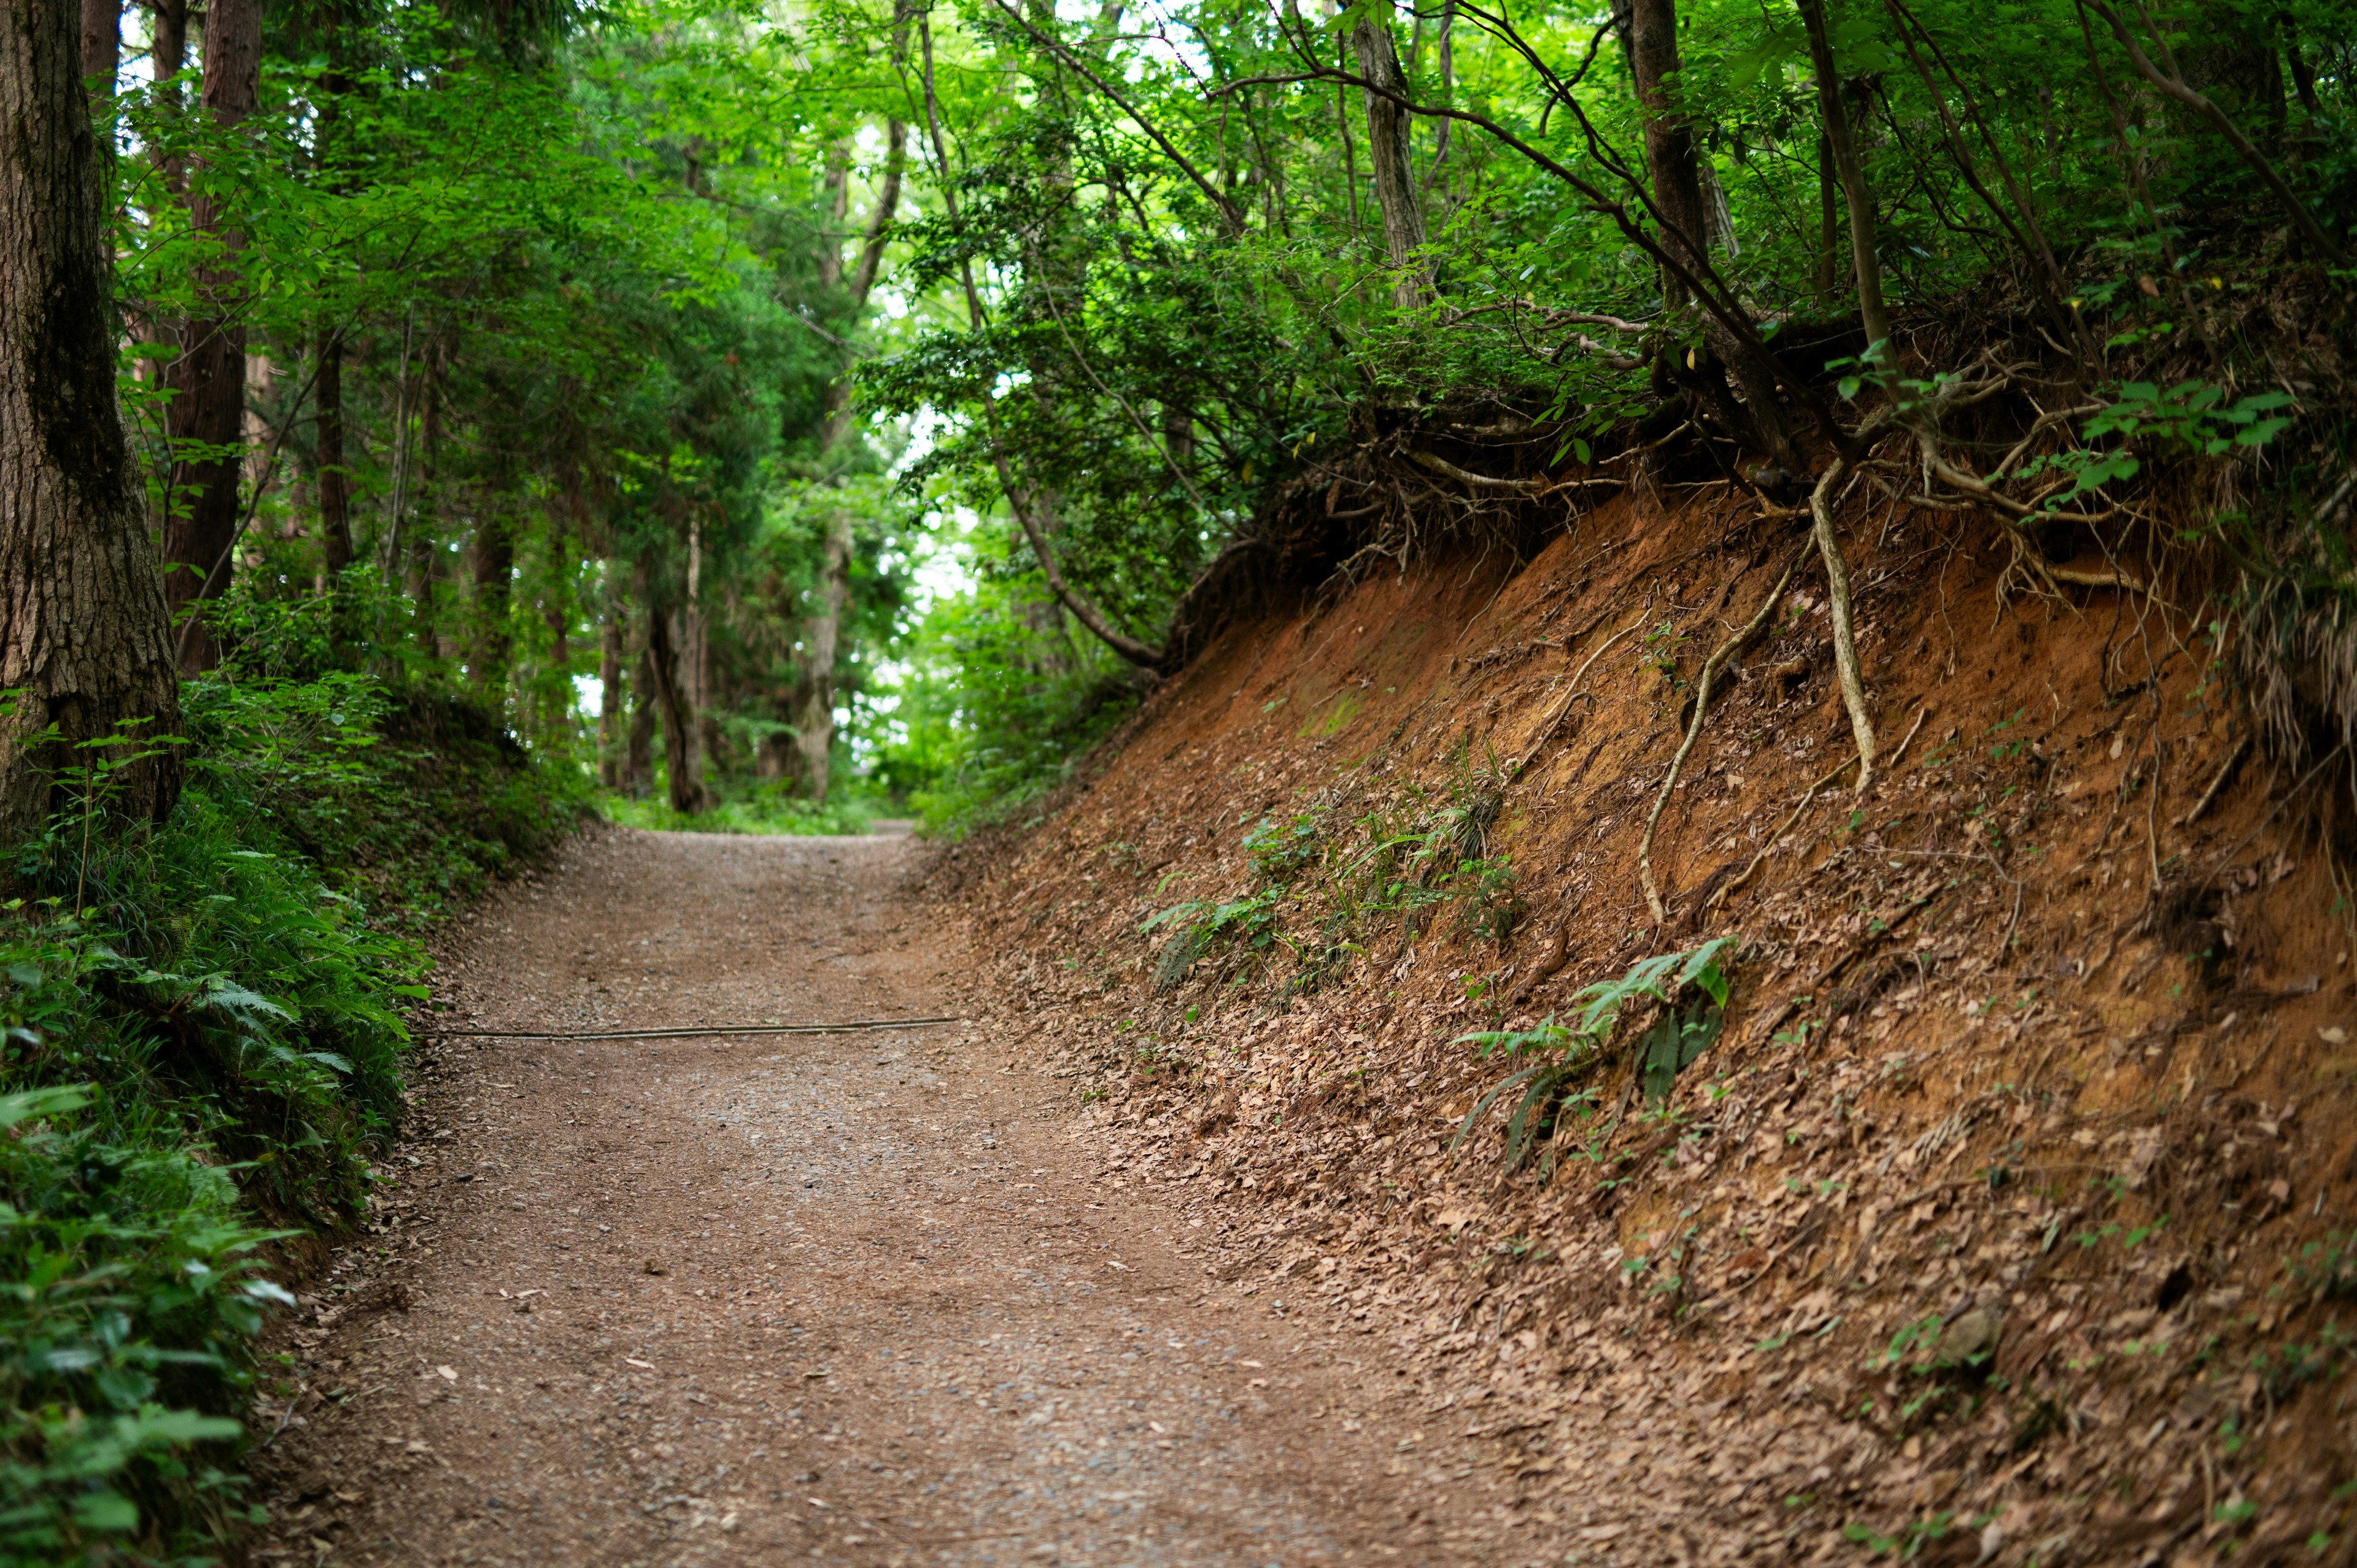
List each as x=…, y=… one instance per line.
x=813, y=717
x=680, y=760
x=1828, y=222
x=494, y=574
x=1669, y=141
x=814, y=722
x=335, y=482
x=83, y=636
x=1388, y=130
x=1679, y=194
x=611, y=704
x=1844, y=147
x=210, y=409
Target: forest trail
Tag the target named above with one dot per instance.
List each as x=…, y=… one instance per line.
x=847, y=1298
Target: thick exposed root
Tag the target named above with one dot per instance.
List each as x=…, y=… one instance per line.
x=1846, y=668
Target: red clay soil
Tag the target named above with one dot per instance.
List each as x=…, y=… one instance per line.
x=1998, y=1226
x=2002, y=1222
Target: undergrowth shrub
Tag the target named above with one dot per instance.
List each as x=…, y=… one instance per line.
x=201, y=1051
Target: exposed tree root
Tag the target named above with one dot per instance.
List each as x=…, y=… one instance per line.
x=1546, y=734
x=1853, y=686
x=1735, y=885
x=1710, y=669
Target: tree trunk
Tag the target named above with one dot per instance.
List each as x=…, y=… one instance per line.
x=335, y=482
x=1835, y=122
x=1669, y=141
x=494, y=577
x=1388, y=135
x=1686, y=215
x=680, y=758
x=83, y=637
x=210, y=409
x=639, y=756
x=102, y=56
x=611, y=706
x=814, y=722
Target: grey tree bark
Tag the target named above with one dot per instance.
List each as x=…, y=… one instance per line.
x=1852, y=174
x=211, y=375
x=686, y=781
x=1389, y=128
x=83, y=637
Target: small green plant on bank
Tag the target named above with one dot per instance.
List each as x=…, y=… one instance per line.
x=1555, y=1055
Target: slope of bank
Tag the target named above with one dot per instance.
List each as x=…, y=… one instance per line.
x=1998, y=1217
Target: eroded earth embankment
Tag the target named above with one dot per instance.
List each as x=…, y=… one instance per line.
x=1997, y=1220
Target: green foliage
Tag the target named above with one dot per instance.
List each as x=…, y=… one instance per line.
x=200, y=1026
x=1553, y=1056
x=762, y=808
x=2327, y=1270
x=130, y=1298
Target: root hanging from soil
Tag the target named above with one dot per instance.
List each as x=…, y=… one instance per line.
x=1710, y=669
x=1837, y=593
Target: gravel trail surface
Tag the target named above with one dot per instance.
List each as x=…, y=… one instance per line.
x=847, y=1298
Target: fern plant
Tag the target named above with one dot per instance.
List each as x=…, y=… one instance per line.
x=1553, y=1056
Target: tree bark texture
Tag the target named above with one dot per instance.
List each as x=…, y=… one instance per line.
x=1389, y=128
x=101, y=47
x=82, y=631
x=1669, y=140
x=680, y=751
x=611, y=705
x=494, y=574
x=638, y=753
x=210, y=379
x=1676, y=173
x=1835, y=119
x=335, y=483
x=815, y=721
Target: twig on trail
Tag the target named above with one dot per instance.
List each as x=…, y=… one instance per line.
x=1710, y=669
x=2234, y=760
x=861, y=1026
x=1547, y=733
x=1852, y=688
x=1727, y=889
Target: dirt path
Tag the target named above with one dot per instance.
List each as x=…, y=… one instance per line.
x=846, y=1298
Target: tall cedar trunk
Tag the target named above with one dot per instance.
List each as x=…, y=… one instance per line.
x=687, y=796
x=639, y=756
x=210, y=380
x=695, y=657
x=815, y=721
x=1388, y=127
x=1836, y=123
x=83, y=630
x=334, y=483
x=494, y=576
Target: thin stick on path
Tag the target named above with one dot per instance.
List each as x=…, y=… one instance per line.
x=1710, y=669
x=855, y=1026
